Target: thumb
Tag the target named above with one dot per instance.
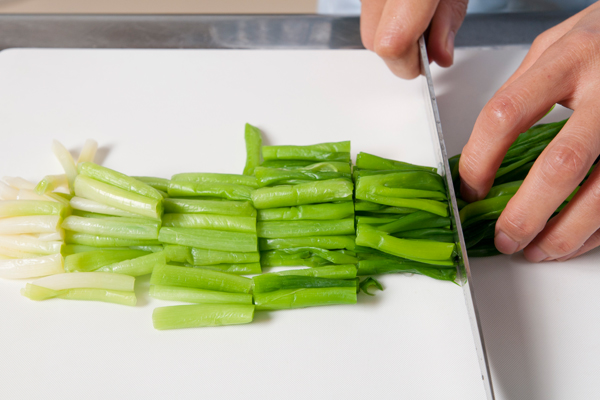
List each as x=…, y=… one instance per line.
x=448, y=17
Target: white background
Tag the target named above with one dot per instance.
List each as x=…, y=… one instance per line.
x=163, y=112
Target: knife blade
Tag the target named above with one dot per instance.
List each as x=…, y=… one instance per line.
x=463, y=267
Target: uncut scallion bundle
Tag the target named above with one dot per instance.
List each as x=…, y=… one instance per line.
x=479, y=218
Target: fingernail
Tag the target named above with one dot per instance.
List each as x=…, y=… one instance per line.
x=450, y=44
x=535, y=254
x=504, y=244
x=468, y=193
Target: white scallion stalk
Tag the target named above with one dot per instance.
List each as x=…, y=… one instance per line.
x=26, y=194
x=95, y=280
x=57, y=198
x=88, y=152
x=18, y=182
x=52, y=182
x=31, y=267
x=12, y=253
x=30, y=224
x=28, y=244
x=22, y=208
x=79, y=203
x=66, y=160
x=8, y=192
x=58, y=235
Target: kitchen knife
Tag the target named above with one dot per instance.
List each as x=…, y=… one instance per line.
x=463, y=267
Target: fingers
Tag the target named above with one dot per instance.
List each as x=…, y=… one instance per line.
x=556, y=173
x=567, y=233
x=542, y=43
x=445, y=23
x=370, y=14
x=510, y=112
x=392, y=29
x=560, y=68
x=401, y=24
x=590, y=244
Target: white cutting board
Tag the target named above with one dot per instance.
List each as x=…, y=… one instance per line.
x=541, y=322
x=159, y=112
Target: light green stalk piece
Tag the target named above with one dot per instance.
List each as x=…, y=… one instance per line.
x=300, y=298
x=105, y=241
x=16, y=208
x=372, y=162
x=252, y=268
x=209, y=177
x=160, y=184
x=217, y=207
x=427, y=251
x=288, y=229
x=39, y=293
x=191, y=295
x=339, y=210
x=51, y=183
x=347, y=271
x=118, y=180
x=212, y=257
x=118, y=227
x=139, y=266
x=321, y=242
x=113, y=196
x=253, y=138
x=209, y=239
x=201, y=315
x=199, y=278
x=305, y=193
x=228, y=223
x=94, y=260
x=335, y=151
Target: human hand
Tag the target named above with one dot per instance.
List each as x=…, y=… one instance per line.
x=391, y=28
x=562, y=66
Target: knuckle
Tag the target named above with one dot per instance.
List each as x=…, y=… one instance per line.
x=470, y=169
x=567, y=159
x=560, y=245
x=458, y=9
x=544, y=39
x=502, y=112
x=390, y=46
x=466, y=166
x=580, y=46
x=517, y=225
x=588, y=36
x=595, y=195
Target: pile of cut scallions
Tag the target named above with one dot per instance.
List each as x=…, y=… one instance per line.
x=87, y=234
